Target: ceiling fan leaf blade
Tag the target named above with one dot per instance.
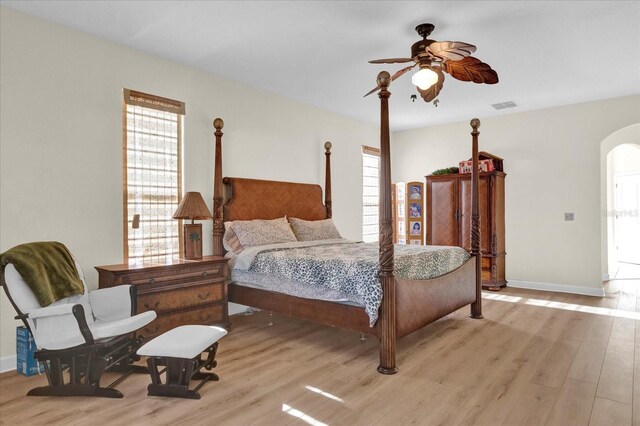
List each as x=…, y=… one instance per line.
x=432, y=92
x=402, y=72
x=391, y=61
x=451, y=50
x=490, y=77
x=393, y=77
x=471, y=69
x=375, y=89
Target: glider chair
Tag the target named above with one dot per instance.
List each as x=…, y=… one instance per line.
x=87, y=333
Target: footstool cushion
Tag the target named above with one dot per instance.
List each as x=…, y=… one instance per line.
x=180, y=350
x=186, y=341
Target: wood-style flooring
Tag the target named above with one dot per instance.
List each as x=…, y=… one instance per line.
x=536, y=358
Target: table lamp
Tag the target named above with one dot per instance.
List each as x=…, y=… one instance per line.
x=192, y=207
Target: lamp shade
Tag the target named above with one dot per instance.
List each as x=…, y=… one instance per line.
x=192, y=207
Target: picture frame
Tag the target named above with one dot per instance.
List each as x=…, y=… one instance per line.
x=192, y=238
x=415, y=228
x=415, y=192
x=415, y=210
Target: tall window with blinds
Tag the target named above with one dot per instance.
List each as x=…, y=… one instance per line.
x=152, y=186
x=370, y=194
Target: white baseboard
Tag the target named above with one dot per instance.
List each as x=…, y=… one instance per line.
x=560, y=288
x=8, y=363
x=605, y=277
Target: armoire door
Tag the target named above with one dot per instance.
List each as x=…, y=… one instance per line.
x=442, y=202
x=465, y=209
x=449, y=219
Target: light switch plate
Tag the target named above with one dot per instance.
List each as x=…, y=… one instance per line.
x=568, y=216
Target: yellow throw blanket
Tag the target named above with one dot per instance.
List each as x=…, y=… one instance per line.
x=48, y=269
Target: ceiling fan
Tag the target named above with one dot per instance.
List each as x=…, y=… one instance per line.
x=434, y=58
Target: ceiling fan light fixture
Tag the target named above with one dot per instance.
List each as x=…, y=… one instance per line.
x=424, y=78
x=434, y=58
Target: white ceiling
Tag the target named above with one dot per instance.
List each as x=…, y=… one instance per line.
x=546, y=53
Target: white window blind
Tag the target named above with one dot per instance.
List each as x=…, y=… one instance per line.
x=370, y=194
x=152, y=176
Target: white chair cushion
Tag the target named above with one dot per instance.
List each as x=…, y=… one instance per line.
x=56, y=332
x=187, y=341
x=105, y=329
x=111, y=304
x=25, y=300
x=20, y=292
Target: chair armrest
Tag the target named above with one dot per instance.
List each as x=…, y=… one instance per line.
x=110, y=304
x=60, y=326
x=50, y=311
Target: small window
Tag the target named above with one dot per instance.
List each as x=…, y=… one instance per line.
x=370, y=194
x=152, y=186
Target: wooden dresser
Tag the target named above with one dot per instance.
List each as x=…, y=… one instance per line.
x=448, y=211
x=181, y=292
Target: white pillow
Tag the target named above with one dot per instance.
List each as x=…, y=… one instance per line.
x=312, y=230
x=262, y=232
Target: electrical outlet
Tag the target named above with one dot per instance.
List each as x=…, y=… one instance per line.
x=568, y=216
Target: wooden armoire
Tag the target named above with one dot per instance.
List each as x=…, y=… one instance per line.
x=448, y=212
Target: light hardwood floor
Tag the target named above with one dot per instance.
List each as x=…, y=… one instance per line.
x=536, y=358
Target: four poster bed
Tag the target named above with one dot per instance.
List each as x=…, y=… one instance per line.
x=407, y=304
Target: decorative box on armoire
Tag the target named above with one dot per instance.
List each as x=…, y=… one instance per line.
x=448, y=212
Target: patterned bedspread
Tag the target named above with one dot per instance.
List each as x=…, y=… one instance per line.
x=347, y=267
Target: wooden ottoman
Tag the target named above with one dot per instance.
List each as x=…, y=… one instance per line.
x=180, y=350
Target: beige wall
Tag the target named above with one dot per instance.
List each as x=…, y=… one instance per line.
x=552, y=160
x=61, y=141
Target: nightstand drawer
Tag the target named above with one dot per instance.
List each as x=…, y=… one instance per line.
x=167, y=276
x=180, y=298
x=208, y=314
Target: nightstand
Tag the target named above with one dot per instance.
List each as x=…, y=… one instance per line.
x=182, y=292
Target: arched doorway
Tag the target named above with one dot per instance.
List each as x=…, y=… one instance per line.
x=620, y=200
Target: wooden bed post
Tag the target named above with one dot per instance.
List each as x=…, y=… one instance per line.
x=218, y=220
x=476, y=307
x=388, y=306
x=327, y=179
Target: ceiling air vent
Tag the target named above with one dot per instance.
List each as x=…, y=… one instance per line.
x=503, y=105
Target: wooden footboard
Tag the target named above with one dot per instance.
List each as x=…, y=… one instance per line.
x=421, y=302
x=328, y=313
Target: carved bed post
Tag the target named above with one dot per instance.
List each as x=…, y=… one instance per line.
x=327, y=179
x=218, y=220
x=476, y=307
x=388, y=306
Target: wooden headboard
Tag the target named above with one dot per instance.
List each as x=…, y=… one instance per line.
x=247, y=199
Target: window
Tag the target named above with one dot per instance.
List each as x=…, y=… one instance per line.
x=152, y=187
x=370, y=194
